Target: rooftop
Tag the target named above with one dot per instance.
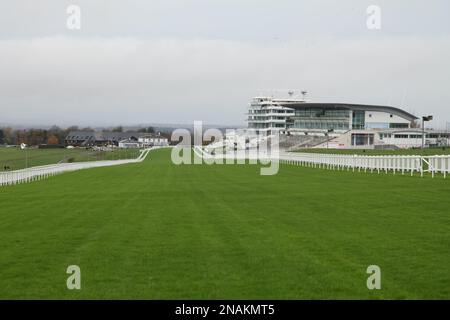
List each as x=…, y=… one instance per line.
x=350, y=106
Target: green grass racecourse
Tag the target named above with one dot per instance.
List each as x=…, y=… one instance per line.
x=159, y=231
x=15, y=158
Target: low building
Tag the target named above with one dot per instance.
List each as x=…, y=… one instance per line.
x=129, y=144
x=151, y=139
x=94, y=138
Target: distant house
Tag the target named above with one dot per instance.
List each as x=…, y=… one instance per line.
x=94, y=138
x=129, y=144
x=152, y=139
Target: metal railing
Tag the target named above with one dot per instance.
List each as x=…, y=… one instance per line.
x=44, y=172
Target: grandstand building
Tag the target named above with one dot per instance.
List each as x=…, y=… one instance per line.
x=340, y=125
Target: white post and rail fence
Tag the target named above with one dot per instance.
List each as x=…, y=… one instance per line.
x=403, y=164
x=43, y=172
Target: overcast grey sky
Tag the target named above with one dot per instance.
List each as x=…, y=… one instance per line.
x=177, y=61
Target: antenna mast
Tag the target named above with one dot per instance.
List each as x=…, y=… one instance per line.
x=304, y=93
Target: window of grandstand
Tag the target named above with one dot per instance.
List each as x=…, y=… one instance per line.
x=362, y=139
x=377, y=125
x=398, y=125
x=358, y=120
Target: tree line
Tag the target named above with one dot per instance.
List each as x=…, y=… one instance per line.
x=52, y=136
x=32, y=136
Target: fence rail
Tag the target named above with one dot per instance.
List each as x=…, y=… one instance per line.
x=439, y=164
x=385, y=163
x=43, y=172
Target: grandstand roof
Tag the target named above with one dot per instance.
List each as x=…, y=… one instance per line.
x=350, y=106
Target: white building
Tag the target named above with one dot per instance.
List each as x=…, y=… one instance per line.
x=267, y=114
x=129, y=144
x=150, y=140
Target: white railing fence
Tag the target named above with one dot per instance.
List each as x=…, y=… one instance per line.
x=439, y=164
x=43, y=172
x=385, y=163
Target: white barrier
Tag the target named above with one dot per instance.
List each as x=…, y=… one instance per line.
x=384, y=163
x=43, y=172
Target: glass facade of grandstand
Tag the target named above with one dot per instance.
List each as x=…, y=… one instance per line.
x=338, y=119
x=321, y=119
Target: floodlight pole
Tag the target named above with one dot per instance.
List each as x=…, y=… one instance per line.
x=423, y=131
x=447, y=131
x=428, y=118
